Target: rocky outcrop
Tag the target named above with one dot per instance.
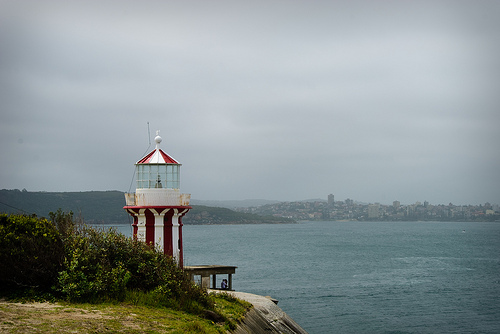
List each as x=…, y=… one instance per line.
x=265, y=317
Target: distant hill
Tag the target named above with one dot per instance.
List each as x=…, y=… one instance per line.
x=106, y=207
x=95, y=207
x=232, y=204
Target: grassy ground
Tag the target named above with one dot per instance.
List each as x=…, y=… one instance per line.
x=110, y=318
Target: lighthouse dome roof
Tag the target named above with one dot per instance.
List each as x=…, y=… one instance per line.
x=158, y=156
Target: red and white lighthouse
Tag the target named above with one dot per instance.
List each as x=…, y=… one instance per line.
x=157, y=205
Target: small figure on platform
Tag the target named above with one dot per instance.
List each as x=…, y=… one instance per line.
x=223, y=284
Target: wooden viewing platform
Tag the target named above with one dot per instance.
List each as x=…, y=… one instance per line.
x=206, y=271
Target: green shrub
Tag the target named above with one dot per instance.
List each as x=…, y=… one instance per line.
x=106, y=264
x=92, y=270
x=80, y=263
x=31, y=253
x=64, y=222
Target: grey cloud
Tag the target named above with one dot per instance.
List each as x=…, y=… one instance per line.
x=375, y=101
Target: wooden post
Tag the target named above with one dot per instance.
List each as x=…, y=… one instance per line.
x=205, y=281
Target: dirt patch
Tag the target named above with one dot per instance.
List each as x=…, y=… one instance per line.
x=58, y=318
x=62, y=318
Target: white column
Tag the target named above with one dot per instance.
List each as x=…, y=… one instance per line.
x=175, y=235
x=141, y=225
x=159, y=226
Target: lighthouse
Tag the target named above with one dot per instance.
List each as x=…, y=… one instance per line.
x=157, y=206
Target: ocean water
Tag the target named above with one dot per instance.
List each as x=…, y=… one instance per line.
x=363, y=277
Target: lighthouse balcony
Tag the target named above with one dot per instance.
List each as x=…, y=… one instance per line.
x=157, y=197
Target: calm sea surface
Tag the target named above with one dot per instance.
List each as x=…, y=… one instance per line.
x=362, y=277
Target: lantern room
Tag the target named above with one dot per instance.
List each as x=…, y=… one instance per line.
x=158, y=170
x=158, y=177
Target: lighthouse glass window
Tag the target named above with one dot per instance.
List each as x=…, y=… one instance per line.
x=172, y=179
x=158, y=176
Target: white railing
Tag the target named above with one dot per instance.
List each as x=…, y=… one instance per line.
x=157, y=197
x=130, y=199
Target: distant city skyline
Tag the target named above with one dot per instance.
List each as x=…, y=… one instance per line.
x=351, y=210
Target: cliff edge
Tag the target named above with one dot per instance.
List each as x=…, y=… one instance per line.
x=265, y=317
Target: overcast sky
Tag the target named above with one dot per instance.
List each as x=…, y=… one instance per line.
x=284, y=100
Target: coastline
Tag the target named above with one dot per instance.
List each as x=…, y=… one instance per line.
x=265, y=316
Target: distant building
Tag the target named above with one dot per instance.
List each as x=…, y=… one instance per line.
x=331, y=200
x=396, y=204
x=373, y=210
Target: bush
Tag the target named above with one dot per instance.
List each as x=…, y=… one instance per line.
x=31, y=253
x=64, y=223
x=106, y=264
x=90, y=272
